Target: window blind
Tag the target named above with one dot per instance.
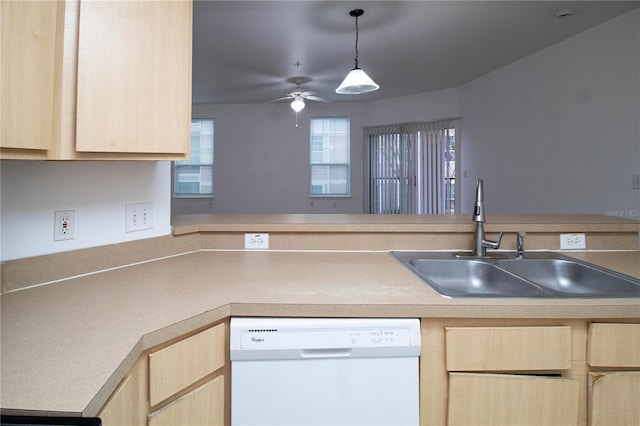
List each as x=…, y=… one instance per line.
x=411, y=167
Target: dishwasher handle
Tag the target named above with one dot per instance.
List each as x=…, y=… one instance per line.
x=326, y=353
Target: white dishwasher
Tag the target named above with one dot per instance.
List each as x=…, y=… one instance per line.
x=324, y=371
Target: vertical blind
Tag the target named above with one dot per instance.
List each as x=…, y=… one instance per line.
x=411, y=168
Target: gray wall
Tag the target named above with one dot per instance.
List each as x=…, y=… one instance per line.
x=261, y=160
x=558, y=131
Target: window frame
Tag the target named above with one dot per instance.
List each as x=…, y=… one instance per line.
x=182, y=163
x=347, y=165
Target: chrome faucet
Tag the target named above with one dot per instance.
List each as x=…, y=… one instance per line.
x=481, y=245
x=520, y=244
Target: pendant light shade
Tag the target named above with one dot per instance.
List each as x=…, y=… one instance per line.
x=298, y=104
x=357, y=81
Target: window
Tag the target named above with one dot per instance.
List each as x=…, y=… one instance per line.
x=194, y=178
x=329, y=146
x=412, y=168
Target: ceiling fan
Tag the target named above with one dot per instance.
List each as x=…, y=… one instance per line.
x=299, y=95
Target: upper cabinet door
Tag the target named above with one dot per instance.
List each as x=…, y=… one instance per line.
x=134, y=77
x=29, y=36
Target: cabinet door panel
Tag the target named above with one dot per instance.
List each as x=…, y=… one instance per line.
x=128, y=404
x=134, y=77
x=614, y=345
x=202, y=407
x=508, y=348
x=613, y=398
x=29, y=38
x=502, y=399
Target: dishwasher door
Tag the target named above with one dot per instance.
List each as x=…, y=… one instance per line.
x=287, y=371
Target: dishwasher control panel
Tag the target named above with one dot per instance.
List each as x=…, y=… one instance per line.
x=324, y=339
x=304, y=337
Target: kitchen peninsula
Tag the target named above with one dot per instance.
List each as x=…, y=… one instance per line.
x=83, y=333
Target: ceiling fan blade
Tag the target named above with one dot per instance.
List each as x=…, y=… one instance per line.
x=280, y=99
x=316, y=98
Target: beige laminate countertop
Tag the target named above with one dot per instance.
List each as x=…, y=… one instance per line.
x=66, y=345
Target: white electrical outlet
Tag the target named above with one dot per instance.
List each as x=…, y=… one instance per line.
x=64, y=225
x=138, y=217
x=256, y=241
x=572, y=242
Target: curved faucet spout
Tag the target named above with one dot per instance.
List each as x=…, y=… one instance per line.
x=481, y=244
x=478, y=205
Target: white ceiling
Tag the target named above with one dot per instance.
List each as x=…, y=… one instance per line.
x=245, y=51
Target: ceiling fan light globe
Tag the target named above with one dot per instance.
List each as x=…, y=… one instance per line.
x=356, y=82
x=298, y=104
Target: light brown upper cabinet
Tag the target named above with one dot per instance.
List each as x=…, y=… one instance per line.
x=107, y=80
x=28, y=73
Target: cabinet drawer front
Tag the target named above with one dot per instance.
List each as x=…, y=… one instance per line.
x=508, y=348
x=177, y=366
x=202, y=406
x=502, y=399
x=614, y=345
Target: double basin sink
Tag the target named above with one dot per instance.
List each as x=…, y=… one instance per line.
x=537, y=274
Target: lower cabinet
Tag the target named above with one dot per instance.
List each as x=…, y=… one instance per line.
x=182, y=383
x=472, y=372
x=503, y=372
x=614, y=383
x=483, y=390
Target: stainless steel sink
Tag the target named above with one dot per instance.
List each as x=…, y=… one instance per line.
x=538, y=274
x=572, y=278
x=472, y=278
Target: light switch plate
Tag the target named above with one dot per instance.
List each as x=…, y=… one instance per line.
x=138, y=217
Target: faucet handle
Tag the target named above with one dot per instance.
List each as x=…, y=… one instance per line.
x=493, y=244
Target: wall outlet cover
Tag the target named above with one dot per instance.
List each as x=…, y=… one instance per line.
x=64, y=225
x=256, y=241
x=573, y=242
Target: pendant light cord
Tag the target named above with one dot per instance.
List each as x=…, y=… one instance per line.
x=356, y=13
x=357, y=42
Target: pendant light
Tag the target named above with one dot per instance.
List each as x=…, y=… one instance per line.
x=357, y=81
